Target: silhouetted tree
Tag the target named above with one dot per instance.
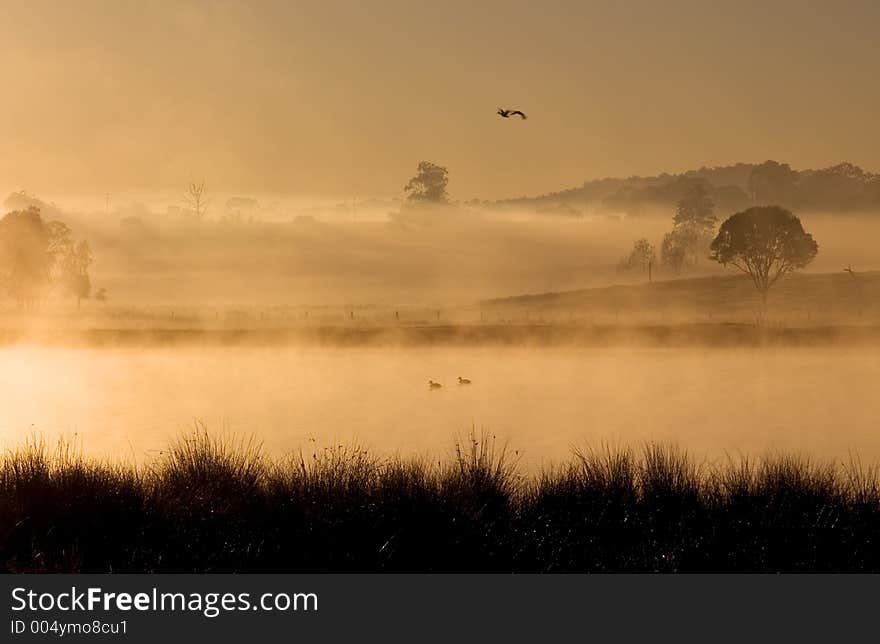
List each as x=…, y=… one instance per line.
x=765, y=242
x=693, y=225
x=674, y=251
x=641, y=257
x=30, y=250
x=696, y=209
x=23, y=200
x=429, y=184
x=74, y=276
x=196, y=199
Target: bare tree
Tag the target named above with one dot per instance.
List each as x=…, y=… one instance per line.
x=196, y=199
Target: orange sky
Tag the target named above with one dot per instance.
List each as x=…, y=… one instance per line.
x=343, y=98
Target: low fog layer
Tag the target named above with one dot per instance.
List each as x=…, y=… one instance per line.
x=443, y=274
x=366, y=253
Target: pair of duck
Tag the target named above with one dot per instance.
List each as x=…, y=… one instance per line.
x=437, y=385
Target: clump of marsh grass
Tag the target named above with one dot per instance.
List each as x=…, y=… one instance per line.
x=481, y=475
x=334, y=473
x=61, y=511
x=207, y=465
x=206, y=502
x=320, y=499
x=215, y=503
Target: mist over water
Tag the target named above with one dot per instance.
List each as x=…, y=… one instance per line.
x=330, y=273
x=295, y=287
x=128, y=403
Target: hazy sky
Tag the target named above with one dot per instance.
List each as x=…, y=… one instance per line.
x=344, y=98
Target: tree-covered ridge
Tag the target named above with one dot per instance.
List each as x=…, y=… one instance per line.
x=844, y=187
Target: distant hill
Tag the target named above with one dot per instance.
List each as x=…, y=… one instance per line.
x=841, y=188
x=797, y=299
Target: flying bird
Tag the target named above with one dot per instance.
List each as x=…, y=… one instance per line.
x=508, y=113
x=463, y=381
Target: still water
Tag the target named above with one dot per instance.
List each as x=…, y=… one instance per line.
x=129, y=403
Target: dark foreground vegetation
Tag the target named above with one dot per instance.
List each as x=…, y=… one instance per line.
x=216, y=505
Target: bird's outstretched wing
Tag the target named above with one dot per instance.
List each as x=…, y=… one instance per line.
x=503, y=112
x=518, y=113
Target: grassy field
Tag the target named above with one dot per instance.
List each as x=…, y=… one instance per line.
x=211, y=505
x=804, y=309
x=798, y=299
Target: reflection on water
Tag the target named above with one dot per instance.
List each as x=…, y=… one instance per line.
x=128, y=402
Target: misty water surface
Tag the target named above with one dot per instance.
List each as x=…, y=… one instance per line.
x=129, y=403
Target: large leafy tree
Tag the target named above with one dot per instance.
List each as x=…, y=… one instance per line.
x=429, y=184
x=676, y=251
x=36, y=255
x=696, y=209
x=74, y=268
x=693, y=225
x=29, y=248
x=765, y=242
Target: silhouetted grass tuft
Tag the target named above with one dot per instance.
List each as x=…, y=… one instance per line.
x=217, y=504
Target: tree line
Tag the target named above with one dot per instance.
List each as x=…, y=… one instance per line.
x=40, y=258
x=764, y=242
x=840, y=188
